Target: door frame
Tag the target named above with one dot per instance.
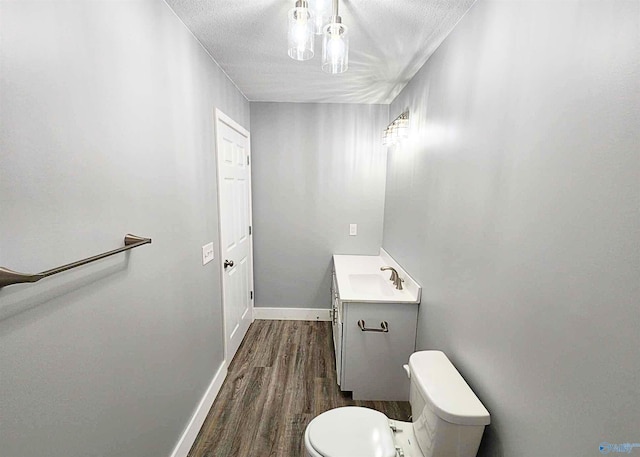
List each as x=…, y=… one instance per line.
x=222, y=117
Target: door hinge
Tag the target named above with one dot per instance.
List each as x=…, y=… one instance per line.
x=249, y=230
x=251, y=294
x=247, y=160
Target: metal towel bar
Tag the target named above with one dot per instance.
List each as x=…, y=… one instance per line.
x=9, y=277
x=384, y=327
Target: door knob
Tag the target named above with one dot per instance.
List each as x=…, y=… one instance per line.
x=228, y=263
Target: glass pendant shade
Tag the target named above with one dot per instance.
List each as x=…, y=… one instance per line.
x=321, y=10
x=335, y=47
x=301, y=32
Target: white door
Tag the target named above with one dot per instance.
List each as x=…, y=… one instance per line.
x=234, y=199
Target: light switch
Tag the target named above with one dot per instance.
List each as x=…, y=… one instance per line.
x=353, y=229
x=207, y=253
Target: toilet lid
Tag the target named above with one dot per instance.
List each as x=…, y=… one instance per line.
x=352, y=431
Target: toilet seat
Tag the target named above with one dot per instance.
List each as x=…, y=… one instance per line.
x=350, y=431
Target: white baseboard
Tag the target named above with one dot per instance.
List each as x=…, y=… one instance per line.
x=200, y=414
x=291, y=314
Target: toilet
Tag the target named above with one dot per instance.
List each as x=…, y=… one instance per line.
x=448, y=419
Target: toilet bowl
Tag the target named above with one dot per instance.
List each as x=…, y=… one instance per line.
x=448, y=419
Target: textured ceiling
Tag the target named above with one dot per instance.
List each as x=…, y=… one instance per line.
x=389, y=40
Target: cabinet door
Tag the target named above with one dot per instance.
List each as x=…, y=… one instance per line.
x=372, y=361
x=336, y=326
x=337, y=338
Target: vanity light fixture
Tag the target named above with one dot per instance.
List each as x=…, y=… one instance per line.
x=397, y=130
x=305, y=21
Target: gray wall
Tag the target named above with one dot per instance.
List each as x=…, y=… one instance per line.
x=106, y=115
x=316, y=169
x=515, y=205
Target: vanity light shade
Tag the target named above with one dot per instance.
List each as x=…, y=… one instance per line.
x=386, y=137
x=402, y=128
x=335, y=47
x=301, y=31
x=394, y=138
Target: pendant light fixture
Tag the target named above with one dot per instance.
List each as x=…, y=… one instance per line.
x=335, y=44
x=301, y=32
x=310, y=17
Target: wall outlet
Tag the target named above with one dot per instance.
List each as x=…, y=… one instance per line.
x=353, y=229
x=207, y=253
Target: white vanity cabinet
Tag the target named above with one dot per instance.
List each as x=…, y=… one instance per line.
x=374, y=328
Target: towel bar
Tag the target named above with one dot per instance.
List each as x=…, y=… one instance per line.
x=9, y=277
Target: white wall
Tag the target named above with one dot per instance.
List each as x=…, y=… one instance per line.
x=106, y=112
x=316, y=169
x=515, y=205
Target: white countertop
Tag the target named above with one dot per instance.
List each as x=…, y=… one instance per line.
x=359, y=279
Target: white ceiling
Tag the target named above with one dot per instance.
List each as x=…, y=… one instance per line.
x=389, y=40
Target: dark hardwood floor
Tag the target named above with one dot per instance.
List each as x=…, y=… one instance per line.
x=282, y=376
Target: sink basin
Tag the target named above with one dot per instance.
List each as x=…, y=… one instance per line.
x=371, y=284
x=358, y=279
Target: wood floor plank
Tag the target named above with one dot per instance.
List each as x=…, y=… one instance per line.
x=282, y=376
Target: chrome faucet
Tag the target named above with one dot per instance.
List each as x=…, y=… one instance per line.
x=397, y=280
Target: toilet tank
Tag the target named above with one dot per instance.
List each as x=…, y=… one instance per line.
x=448, y=418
